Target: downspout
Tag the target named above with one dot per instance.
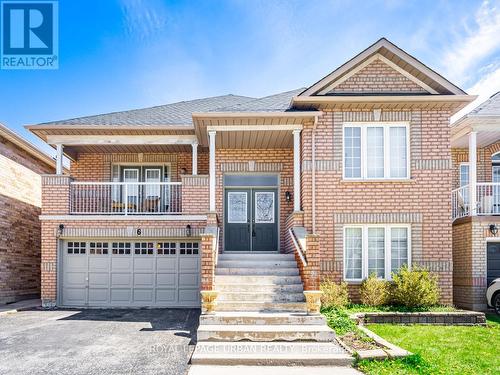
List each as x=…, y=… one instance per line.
x=313, y=173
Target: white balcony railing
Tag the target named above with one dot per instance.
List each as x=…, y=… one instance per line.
x=487, y=200
x=126, y=198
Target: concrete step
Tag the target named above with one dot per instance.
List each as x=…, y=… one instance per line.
x=261, y=306
x=256, y=257
x=257, y=271
x=271, y=354
x=265, y=333
x=259, y=288
x=256, y=263
x=257, y=279
x=260, y=297
x=256, y=318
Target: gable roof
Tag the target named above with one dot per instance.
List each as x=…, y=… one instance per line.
x=399, y=59
x=25, y=145
x=490, y=107
x=178, y=114
x=272, y=103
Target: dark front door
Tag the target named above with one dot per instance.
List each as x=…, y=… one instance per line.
x=251, y=220
x=493, y=271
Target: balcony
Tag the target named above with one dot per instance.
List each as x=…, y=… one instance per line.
x=487, y=200
x=125, y=198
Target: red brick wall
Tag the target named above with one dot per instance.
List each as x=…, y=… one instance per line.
x=484, y=154
x=20, y=200
x=424, y=199
x=377, y=77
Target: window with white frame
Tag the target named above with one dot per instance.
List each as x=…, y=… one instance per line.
x=379, y=249
x=376, y=151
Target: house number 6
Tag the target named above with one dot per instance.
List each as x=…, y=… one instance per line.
x=139, y=232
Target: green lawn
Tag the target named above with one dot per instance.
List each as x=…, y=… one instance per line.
x=354, y=308
x=440, y=349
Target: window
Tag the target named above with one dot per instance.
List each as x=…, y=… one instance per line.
x=98, y=248
x=189, y=248
x=464, y=174
x=144, y=248
x=166, y=248
x=76, y=247
x=376, y=151
x=379, y=249
x=121, y=248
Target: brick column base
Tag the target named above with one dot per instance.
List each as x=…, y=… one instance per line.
x=207, y=261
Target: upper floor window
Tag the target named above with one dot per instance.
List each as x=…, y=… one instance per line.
x=376, y=151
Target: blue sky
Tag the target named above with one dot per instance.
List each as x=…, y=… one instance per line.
x=123, y=54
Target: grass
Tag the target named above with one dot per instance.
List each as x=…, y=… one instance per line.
x=440, y=349
x=354, y=308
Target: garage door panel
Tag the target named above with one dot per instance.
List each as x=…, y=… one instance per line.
x=121, y=263
x=121, y=273
x=121, y=280
x=144, y=279
x=98, y=279
x=120, y=296
x=189, y=279
x=143, y=295
x=166, y=264
x=98, y=296
x=75, y=296
x=189, y=295
x=166, y=295
x=166, y=279
x=188, y=264
x=99, y=263
x=493, y=261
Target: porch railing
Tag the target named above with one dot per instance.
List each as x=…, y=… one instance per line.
x=487, y=200
x=126, y=198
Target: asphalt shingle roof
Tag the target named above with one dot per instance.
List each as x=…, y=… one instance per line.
x=490, y=107
x=273, y=103
x=169, y=114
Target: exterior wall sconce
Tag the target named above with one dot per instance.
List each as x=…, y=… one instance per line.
x=60, y=229
x=188, y=230
x=288, y=197
x=493, y=229
x=183, y=171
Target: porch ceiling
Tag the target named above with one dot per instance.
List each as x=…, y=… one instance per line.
x=487, y=128
x=73, y=151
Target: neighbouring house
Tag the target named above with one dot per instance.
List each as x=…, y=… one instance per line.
x=21, y=167
x=475, y=144
x=349, y=176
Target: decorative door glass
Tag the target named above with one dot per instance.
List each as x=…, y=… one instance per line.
x=264, y=207
x=237, y=207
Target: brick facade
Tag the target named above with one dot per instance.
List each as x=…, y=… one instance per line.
x=470, y=236
x=20, y=199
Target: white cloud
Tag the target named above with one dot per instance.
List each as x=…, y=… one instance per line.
x=478, y=42
x=144, y=19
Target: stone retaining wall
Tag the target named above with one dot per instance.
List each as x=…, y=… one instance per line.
x=460, y=318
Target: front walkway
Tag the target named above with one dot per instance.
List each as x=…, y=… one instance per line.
x=271, y=370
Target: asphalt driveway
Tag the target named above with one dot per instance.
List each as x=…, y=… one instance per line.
x=132, y=341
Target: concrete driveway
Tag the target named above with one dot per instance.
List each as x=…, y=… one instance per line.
x=132, y=341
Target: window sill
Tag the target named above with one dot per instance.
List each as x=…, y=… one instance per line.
x=378, y=180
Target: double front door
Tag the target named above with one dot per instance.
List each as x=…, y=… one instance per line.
x=251, y=219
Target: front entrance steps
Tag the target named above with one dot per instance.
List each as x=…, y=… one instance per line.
x=261, y=318
x=272, y=338
x=258, y=282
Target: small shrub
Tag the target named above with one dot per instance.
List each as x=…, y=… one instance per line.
x=334, y=294
x=339, y=321
x=374, y=291
x=414, y=288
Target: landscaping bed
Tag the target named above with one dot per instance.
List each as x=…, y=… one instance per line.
x=462, y=318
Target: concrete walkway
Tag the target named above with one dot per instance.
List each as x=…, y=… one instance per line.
x=271, y=370
x=19, y=306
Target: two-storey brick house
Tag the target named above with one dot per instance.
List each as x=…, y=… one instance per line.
x=352, y=175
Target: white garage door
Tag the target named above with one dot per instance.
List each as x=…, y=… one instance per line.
x=125, y=273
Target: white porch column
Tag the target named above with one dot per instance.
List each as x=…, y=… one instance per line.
x=296, y=170
x=473, y=173
x=211, y=136
x=59, y=158
x=195, y=158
